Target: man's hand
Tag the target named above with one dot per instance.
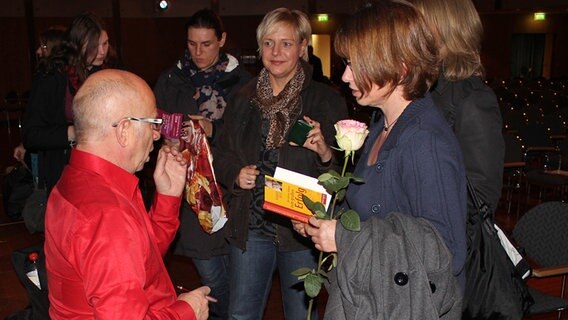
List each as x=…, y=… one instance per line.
x=322, y=233
x=171, y=172
x=198, y=300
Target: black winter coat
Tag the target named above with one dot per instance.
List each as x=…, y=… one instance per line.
x=472, y=109
x=44, y=128
x=174, y=93
x=239, y=146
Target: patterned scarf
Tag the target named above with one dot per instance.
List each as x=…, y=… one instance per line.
x=279, y=110
x=209, y=95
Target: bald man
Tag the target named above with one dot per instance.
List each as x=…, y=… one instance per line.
x=103, y=250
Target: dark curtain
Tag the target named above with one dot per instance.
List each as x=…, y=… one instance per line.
x=527, y=55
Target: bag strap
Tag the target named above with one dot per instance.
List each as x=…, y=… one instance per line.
x=481, y=206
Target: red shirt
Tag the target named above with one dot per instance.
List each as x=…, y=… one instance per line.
x=104, y=252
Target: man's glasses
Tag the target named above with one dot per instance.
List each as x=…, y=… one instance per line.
x=156, y=123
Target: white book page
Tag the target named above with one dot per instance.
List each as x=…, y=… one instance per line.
x=303, y=181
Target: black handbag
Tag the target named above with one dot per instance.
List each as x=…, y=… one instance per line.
x=494, y=288
x=33, y=212
x=17, y=186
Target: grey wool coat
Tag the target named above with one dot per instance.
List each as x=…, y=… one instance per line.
x=394, y=268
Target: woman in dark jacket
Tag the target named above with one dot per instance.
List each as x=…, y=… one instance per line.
x=200, y=85
x=253, y=144
x=411, y=162
x=48, y=123
x=471, y=108
x=467, y=102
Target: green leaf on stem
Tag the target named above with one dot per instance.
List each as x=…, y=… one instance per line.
x=316, y=207
x=301, y=273
x=333, y=262
x=321, y=215
x=326, y=177
x=340, y=194
x=312, y=284
x=350, y=220
x=336, y=185
x=354, y=178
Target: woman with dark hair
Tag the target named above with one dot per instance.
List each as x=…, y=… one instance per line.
x=48, y=121
x=106, y=57
x=253, y=144
x=408, y=258
x=48, y=40
x=199, y=86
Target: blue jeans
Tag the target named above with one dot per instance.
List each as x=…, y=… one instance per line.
x=214, y=273
x=251, y=279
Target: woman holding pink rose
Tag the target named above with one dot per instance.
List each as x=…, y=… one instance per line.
x=411, y=165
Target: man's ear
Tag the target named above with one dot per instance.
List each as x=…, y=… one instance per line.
x=122, y=131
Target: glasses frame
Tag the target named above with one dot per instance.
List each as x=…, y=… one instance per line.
x=155, y=122
x=346, y=62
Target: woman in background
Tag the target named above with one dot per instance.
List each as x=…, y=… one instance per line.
x=48, y=40
x=106, y=55
x=469, y=105
x=199, y=86
x=253, y=144
x=48, y=123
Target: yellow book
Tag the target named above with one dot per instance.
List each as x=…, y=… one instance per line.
x=283, y=194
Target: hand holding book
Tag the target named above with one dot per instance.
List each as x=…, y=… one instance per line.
x=284, y=194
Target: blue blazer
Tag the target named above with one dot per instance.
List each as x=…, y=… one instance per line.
x=419, y=172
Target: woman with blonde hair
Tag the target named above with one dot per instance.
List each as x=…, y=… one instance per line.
x=468, y=103
x=253, y=143
x=471, y=108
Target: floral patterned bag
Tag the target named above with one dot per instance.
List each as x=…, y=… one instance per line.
x=202, y=191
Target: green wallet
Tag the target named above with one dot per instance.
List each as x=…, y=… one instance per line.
x=299, y=132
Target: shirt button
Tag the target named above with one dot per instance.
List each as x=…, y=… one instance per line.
x=376, y=208
x=379, y=167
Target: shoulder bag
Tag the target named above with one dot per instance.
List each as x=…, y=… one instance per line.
x=495, y=288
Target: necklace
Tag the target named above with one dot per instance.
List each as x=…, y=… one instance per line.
x=388, y=126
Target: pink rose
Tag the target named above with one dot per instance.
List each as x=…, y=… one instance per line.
x=350, y=135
